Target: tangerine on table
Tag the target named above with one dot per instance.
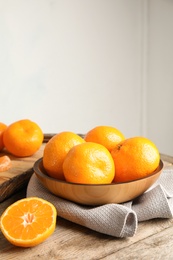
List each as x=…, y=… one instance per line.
x=28, y=221
x=56, y=150
x=89, y=163
x=23, y=138
x=2, y=129
x=108, y=136
x=5, y=163
x=135, y=158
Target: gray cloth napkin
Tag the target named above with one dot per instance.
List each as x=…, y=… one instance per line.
x=118, y=220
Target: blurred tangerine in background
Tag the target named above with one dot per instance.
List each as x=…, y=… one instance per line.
x=2, y=129
x=23, y=138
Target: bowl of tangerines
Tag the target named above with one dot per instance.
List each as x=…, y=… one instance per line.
x=100, y=167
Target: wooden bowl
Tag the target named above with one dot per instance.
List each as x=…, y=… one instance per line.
x=95, y=194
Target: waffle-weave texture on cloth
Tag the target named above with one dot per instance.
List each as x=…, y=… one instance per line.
x=118, y=220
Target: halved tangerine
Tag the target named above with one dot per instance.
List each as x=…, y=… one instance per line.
x=28, y=221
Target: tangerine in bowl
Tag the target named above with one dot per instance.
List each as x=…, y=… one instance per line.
x=96, y=194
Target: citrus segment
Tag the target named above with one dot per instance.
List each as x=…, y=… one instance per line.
x=56, y=150
x=23, y=138
x=28, y=222
x=106, y=135
x=89, y=163
x=5, y=163
x=135, y=158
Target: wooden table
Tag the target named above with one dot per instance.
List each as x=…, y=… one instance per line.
x=153, y=240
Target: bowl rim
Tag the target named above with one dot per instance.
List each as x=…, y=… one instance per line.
x=37, y=170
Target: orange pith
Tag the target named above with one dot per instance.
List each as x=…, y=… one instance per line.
x=23, y=138
x=108, y=136
x=5, y=163
x=89, y=163
x=135, y=158
x=2, y=129
x=28, y=222
x=56, y=150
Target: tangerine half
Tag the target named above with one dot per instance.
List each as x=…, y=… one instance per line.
x=28, y=222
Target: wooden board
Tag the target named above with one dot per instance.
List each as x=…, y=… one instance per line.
x=21, y=171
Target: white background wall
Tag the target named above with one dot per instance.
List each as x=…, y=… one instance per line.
x=75, y=64
x=160, y=74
